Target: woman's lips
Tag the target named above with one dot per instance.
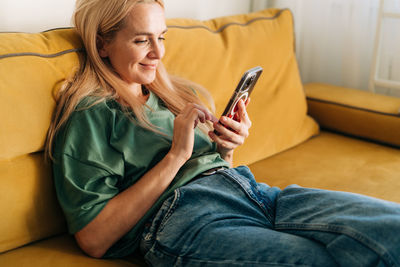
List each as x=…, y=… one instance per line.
x=149, y=66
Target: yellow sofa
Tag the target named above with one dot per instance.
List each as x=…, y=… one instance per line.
x=349, y=140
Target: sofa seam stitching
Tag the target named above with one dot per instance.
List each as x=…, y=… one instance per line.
x=22, y=54
x=353, y=107
x=223, y=27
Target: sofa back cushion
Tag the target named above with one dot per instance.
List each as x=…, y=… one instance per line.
x=215, y=54
x=212, y=53
x=32, y=67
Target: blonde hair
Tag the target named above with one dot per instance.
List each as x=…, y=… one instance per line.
x=100, y=18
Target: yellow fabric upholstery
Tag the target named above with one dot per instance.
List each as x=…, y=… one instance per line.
x=215, y=53
x=28, y=204
x=355, y=112
x=32, y=66
x=59, y=251
x=335, y=162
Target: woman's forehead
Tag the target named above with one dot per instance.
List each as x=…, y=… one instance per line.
x=146, y=18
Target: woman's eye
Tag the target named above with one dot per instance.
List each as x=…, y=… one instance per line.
x=140, y=41
x=147, y=41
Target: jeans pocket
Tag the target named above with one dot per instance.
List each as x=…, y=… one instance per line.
x=158, y=222
x=169, y=207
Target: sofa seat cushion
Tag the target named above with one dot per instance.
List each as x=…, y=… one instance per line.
x=58, y=251
x=335, y=162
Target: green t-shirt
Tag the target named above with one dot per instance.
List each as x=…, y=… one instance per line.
x=100, y=152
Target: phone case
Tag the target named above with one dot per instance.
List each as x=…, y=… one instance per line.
x=243, y=90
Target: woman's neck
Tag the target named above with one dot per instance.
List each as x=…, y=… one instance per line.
x=138, y=91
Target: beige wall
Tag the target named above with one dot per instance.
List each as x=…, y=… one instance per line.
x=40, y=15
x=32, y=16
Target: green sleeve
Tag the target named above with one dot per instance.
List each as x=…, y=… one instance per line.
x=87, y=169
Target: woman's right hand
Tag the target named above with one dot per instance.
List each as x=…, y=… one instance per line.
x=184, y=125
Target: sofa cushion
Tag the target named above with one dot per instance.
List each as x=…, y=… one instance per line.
x=215, y=53
x=28, y=204
x=32, y=66
x=335, y=162
x=60, y=251
x=355, y=112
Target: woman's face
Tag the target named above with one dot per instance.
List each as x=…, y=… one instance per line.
x=138, y=47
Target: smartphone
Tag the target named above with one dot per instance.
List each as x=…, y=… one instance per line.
x=242, y=91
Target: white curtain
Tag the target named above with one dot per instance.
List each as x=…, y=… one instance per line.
x=335, y=40
x=389, y=63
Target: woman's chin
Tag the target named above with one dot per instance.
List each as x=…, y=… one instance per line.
x=148, y=79
x=143, y=79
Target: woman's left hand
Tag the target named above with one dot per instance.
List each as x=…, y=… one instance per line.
x=231, y=132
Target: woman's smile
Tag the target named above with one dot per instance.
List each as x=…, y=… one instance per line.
x=151, y=66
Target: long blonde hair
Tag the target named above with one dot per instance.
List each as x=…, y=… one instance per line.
x=104, y=18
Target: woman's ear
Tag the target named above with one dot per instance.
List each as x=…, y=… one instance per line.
x=101, y=47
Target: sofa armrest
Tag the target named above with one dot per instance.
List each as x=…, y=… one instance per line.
x=355, y=112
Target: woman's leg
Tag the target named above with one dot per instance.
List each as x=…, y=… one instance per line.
x=356, y=230
x=220, y=221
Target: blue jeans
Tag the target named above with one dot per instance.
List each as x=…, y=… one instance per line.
x=228, y=219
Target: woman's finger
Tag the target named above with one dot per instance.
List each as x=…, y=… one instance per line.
x=247, y=102
x=226, y=144
x=194, y=111
x=233, y=126
x=243, y=115
x=228, y=135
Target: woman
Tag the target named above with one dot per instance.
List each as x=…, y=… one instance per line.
x=136, y=162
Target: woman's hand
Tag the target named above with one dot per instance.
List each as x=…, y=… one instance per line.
x=232, y=132
x=184, y=125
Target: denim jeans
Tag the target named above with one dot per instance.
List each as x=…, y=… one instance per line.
x=228, y=219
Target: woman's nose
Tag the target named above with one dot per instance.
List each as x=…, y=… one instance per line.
x=157, y=50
